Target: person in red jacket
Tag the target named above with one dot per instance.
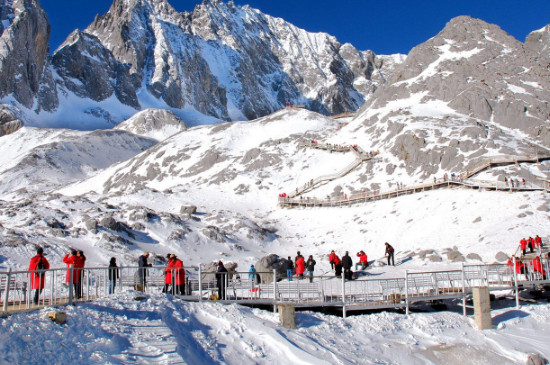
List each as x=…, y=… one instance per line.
x=337, y=267
x=363, y=260
x=178, y=275
x=538, y=241
x=523, y=245
x=38, y=278
x=300, y=266
x=168, y=276
x=531, y=244
x=520, y=267
x=76, y=259
x=536, y=264
x=331, y=258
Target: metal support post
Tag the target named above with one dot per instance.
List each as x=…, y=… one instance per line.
x=516, y=282
x=7, y=291
x=274, y=290
x=464, y=311
x=344, y=312
x=200, y=283
x=71, y=284
x=407, y=312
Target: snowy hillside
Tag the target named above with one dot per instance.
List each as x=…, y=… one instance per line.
x=169, y=331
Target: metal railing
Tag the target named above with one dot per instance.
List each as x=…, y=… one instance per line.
x=18, y=289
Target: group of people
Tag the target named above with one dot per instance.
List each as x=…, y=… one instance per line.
x=514, y=183
x=531, y=243
x=74, y=259
x=535, y=265
x=301, y=265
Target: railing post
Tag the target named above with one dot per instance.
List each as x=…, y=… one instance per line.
x=464, y=312
x=70, y=284
x=200, y=283
x=274, y=290
x=516, y=282
x=53, y=288
x=7, y=291
x=344, y=313
x=407, y=312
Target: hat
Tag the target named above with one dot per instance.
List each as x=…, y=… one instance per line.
x=251, y=265
x=172, y=255
x=168, y=255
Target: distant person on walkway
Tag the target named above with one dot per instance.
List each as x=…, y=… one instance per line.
x=523, y=245
x=81, y=264
x=538, y=241
x=38, y=263
x=142, y=272
x=290, y=269
x=113, y=275
x=536, y=266
x=389, y=253
x=331, y=258
x=347, y=263
x=300, y=266
x=310, y=267
x=531, y=243
x=363, y=261
x=221, y=280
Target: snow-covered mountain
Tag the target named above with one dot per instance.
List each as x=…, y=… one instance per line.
x=205, y=63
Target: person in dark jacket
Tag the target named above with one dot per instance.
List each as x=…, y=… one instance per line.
x=347, y=263
x=290, y=269
x=221, y=280
x=38, y=278
x=142, y=272
x=389, y=253
x=75, y=262
x=310, y=265
x=113, y=275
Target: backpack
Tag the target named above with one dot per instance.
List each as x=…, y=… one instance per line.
x=40, y=267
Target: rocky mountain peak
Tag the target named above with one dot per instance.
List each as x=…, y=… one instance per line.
x=539, y=40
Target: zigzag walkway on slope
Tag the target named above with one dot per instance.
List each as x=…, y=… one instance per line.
x=360, y=156
x=437, y=184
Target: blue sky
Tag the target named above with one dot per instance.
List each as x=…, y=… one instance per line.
x=383, y=26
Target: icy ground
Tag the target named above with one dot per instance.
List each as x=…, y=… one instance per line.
x=165, y=330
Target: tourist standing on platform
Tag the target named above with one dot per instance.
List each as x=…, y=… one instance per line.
x=178, y=275
x=363, y=260
x=221, y=280
x=331, y=258
x=75, y=260
x=113, y=275
x=142, y=272
x=38, y=278
x=347, y=263
x=389, y=253
x=300, y=266
x=531, y=244
x=310, y=267
x=337, y=267
x=290, y=269
x=168, y=276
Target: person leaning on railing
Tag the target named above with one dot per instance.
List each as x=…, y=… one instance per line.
x=38, y=277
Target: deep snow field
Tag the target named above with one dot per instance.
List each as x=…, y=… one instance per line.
x=58, y=187
x=165, y=330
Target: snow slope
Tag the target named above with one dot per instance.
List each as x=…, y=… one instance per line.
x=164, y=330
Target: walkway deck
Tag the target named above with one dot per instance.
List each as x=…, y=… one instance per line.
x=463, y=180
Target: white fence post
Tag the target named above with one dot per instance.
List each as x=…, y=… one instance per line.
x=344, y=312
x=7, y=291
x=70, y=284
x=274, y=290
x=200, y=283
x=407, y=292
x=516, y=282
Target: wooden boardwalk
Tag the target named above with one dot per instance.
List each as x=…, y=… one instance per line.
x=464, y=180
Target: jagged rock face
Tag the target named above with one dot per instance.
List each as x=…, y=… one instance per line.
x=90, y=71
x=539, y=41
x=9, y=122
x=479, y=71
x=24, y=45
x=209, y=59
x=457, y=97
